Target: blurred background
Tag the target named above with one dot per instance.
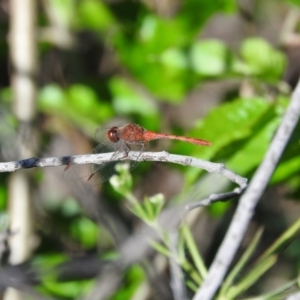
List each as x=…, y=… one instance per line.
x=222, y=71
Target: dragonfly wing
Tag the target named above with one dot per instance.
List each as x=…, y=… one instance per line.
x=77, y=172
x=90, y=172
x=120, y=156
x=105, y=168
x=97, y=173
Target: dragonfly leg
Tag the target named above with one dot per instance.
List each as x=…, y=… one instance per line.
x=126, y=151
x=141, y=150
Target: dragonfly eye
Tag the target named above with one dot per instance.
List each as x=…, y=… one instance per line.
x=112, y=134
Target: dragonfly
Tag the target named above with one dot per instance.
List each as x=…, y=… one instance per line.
x=120, y=139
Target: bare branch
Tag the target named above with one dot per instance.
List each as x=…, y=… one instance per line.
x=146, y=156
x=249, y=200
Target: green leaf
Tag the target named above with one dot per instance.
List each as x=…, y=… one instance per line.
x=286, y=169
x=6, y=95
x=231, y=277
x=3, y=197
x=64, y=11
x=265, y=261
x=82, y=97
x=85, y=231
x=294, y=2
x=94, y=14
x=150, y=208
x=79, y=103
x=134, y=278
x=161, y=74
x=278, y=293
x=140, y=212
x=157, y=34
x=70, y=208
x=52, y=97
x=122, y=181
x=251, y=153
x=155, y=52
x=196, y=13
x=262, y=59
x=71, y=289
x=156, y=57
x=289, y=164
x=160, y=248
x=174, y=58
x=128, y=100
x=85, y=102
x=194, y=251
x=251, y=277
x=247, y=124
x=232, y=121
x=282, y=241
x=157, y=202
x=49, y=261
x=209, y=58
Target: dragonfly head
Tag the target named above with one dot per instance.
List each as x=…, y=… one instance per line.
x=112, y=135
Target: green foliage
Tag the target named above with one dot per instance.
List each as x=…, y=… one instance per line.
x=130, y=62
x=69, y=290
x=133, y=279
x=194, y=252
x=247, y=124
x=86, y=231
x=78, y=104
x=93, y=15
x=194, y=268
x=158, y=46
x=289, y=163
x=294, y=2
x=50, y=285
x=122, y=182
x=230, y=289
x=209, y=58
x=149, y=209
x=126, y=100
x=3, y=197
x=262, y=60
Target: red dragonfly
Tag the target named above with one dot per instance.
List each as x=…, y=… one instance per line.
x=120, y=139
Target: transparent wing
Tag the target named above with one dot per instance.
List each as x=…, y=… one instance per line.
x=105, y=171
x=92, y=174
x=96, y=173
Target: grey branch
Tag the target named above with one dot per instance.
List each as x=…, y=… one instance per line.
x=249, y=200
x=146, y=156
